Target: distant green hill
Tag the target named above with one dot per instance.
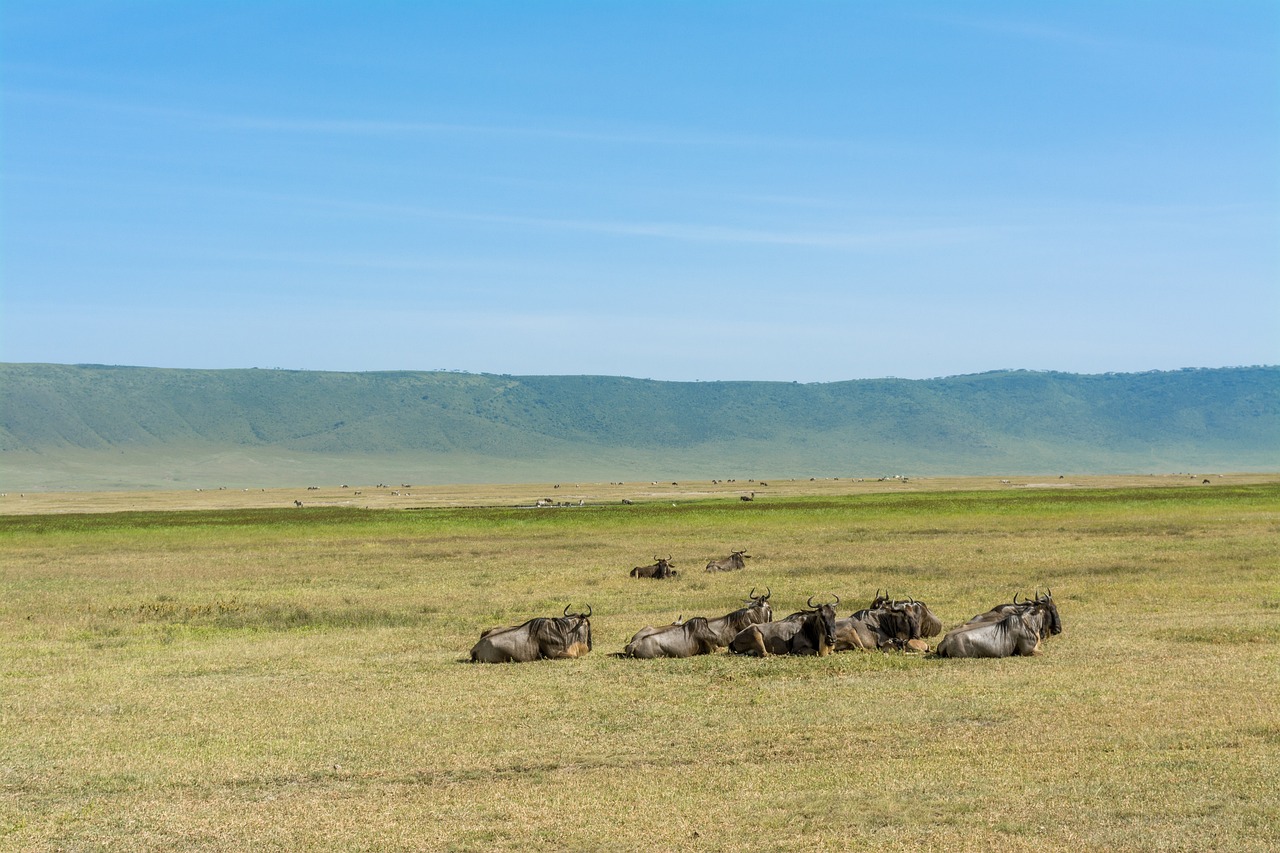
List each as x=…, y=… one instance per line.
x=93, y=426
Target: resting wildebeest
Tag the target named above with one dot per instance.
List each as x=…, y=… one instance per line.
x=1015, y=634
x=733, y=562
x=885, y=625
x=808, y=632
x=567, y=636
x=1051, y=624
x=694, y=637
x=756, y=610
x=1012, y=630
x=659, y=570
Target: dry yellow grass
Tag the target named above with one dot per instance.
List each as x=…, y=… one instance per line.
x=236, y=679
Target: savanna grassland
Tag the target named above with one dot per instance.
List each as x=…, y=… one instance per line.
x=284, y=678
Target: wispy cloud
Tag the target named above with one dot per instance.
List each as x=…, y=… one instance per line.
x=393, y=127
x=848, y=238
x=1030, y=30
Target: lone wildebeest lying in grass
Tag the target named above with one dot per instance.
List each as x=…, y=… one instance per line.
x=567, y=636
x=733, y=562
x=660, y=570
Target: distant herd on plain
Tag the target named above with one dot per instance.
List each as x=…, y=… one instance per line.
x=1013, y=628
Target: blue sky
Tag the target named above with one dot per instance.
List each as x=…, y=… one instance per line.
x=806, y=191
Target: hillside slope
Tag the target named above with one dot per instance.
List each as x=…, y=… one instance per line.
x=72, y=426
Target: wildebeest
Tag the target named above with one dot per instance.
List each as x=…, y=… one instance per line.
x=757, y=609
x=1014, y=634
x=660, y=569
x=733, y=562
x=677, y=640
x=808, y=632
x=1051, y=624
x=930, y=624
x=886, y=624
x=567, y=636
x=1011, y=629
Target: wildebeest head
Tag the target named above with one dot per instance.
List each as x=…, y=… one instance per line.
x=824, y=625
x=577, y=627
x=929, y=625
x=1052, y=621
x=756, y=610
x=760, y=603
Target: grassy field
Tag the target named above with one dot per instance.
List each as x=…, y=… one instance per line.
x=244, y=674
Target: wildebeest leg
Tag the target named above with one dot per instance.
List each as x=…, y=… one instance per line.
x=573, y=650
x=757, y=643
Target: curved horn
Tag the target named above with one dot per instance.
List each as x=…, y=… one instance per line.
x=587, y=615
x=1015, y=598
x=837, y=601
x=767, y=592
x=752, y=596
x=566, y=608
x=812, y=606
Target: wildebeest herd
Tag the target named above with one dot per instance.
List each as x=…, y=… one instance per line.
x=1016, y=628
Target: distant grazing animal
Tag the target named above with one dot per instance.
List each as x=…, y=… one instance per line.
x=809, y=632
x=567, y=636
x=693, y=637
x=628, y=501
x=749, y=497
x=733, y=562
x=297, y=503
x=660, y=570
x=756, y=610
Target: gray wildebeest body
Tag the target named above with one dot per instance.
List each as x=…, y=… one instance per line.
x=1006, y=633
x=732, y=563
x=756, y=611
x=885, y=625
x=660, y=570
x=1051, y=623
x=567, y=636
x=1013, y=635
x=808, y=632
x=694, y=637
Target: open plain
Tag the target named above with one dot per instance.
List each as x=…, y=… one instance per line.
x=226, y=670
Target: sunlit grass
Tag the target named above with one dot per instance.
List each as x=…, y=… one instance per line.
x=267, y=679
